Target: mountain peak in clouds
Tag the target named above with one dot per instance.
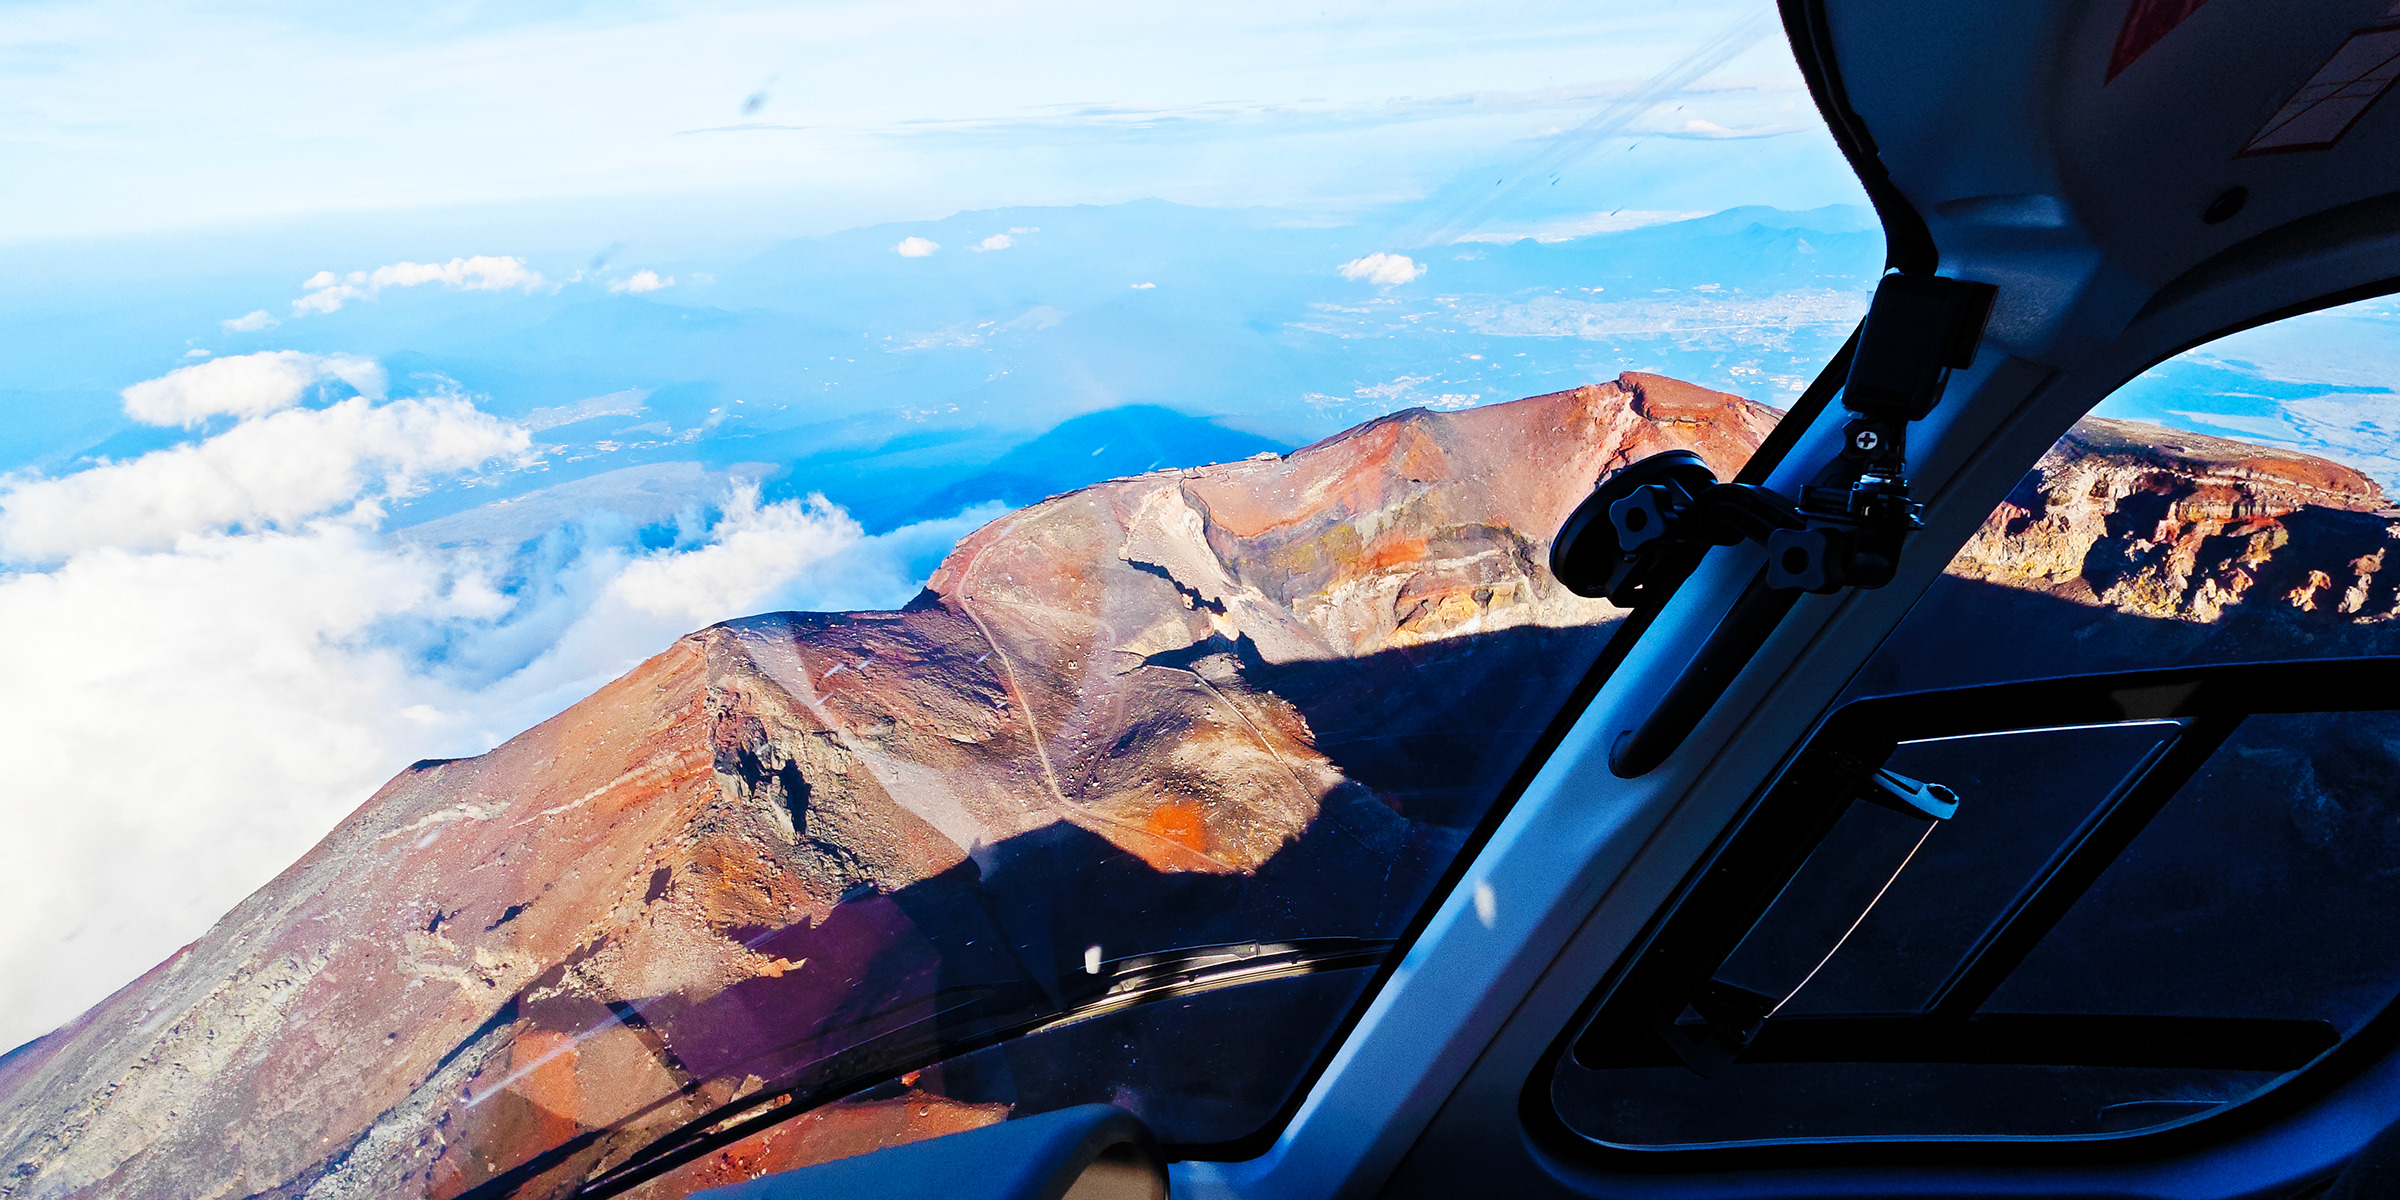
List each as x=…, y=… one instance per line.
x=1257, y=701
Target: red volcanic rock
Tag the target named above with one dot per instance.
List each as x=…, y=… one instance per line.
x=2131, y=546
x=1253, y=706
x=2164, y=523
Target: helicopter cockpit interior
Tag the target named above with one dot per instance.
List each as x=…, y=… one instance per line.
x=1976, y=773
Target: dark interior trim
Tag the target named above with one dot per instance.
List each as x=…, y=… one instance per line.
x=2015, y=1039
x=2344, y=227
x=1908, y=244
x=2206, y=698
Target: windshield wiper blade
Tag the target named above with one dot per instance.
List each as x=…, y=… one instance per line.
x=1130, y=982
x=975, y=1017
x=833, y=1075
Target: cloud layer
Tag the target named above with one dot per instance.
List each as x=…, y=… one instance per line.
x=275, y=472
x=641, y=281
x=246, y=385
x=211, y=653
x=326, y=292
x=909, y=110
x=250, y=322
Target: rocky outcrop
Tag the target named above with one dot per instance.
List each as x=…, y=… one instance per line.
x=2132, y=546
x=2162, y=523
x=1253, y=705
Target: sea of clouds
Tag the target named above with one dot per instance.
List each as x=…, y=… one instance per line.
x=211, y=653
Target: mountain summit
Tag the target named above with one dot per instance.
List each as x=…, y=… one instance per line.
x=1203, y=722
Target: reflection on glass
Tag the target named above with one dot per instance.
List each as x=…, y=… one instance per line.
x=2269, y=887
x=2022, y=795
x=1836, y=889
x=1153, y=473
x=2247, y=930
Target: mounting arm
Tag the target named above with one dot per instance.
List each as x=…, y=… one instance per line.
x=1646, y=527
x=1640, y=525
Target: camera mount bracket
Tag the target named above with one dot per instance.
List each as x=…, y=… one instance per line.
x=1642, y=526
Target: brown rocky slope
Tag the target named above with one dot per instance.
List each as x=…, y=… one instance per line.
x=1249, y=706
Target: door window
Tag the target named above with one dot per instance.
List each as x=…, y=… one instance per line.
x=2063, y=909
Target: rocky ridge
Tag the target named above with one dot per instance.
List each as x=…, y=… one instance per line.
x=1253, y=701
x=2132, y=546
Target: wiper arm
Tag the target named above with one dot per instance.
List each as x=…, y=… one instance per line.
x=975, y=1017
x=1147, y=978
x=834, y=1075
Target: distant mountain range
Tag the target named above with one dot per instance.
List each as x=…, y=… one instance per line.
x=907, y=389
x=883, y=491
x=838, y=347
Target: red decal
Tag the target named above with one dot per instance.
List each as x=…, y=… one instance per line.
x=2334, y=98
x=2145, y=23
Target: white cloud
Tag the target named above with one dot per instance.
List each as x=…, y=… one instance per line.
x=279, y=471
x=1140, y=287
x=641, y=281
x=758, y=557
x=245, y=385
x=250, y=322
x=326, y=292
x=194, y=711
x=755, y=548
x=998, y=241
x=196, y=352
x=916, y=247
x=1383, y=268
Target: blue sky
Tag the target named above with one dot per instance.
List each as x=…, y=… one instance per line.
x=559, y=122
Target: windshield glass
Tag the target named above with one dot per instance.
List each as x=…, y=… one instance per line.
x=1109, y=459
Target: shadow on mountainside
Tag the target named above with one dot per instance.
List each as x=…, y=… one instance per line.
x=1436, y=729
x=974, y=959
x=939, y=988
